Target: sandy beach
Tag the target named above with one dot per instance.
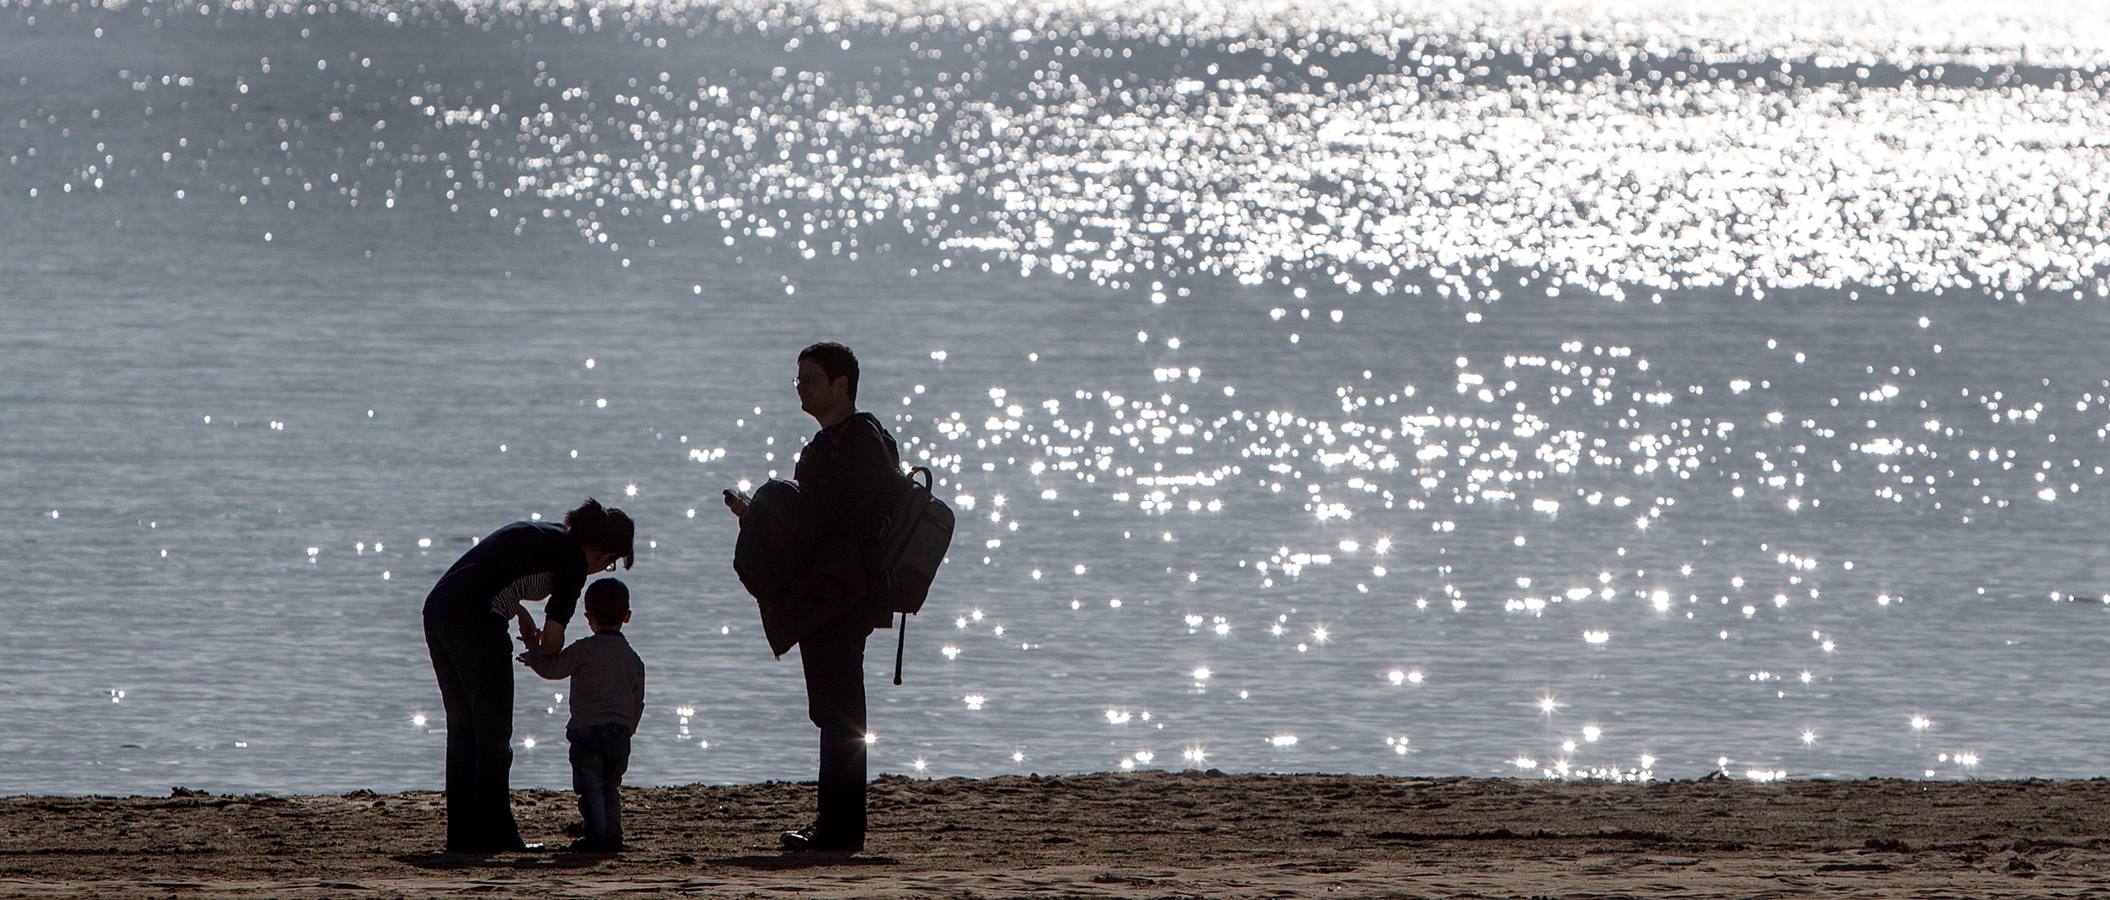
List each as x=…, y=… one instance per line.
x=1117, y=835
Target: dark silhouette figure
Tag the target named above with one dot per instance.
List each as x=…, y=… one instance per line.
x=465, y=630
x=843, y=476
x=607, y=702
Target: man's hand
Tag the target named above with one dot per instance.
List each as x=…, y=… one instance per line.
x=552, y=637
x=737, y=502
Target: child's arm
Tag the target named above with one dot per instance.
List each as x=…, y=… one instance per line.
x=554, y=668
x=637, y=700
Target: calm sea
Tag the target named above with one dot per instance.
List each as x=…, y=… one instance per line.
x=1505, y=389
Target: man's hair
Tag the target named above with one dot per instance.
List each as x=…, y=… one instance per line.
x=834, y=359
x=603, y=528
x=608, y=601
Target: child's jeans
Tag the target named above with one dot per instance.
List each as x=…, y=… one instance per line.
x=599, y=756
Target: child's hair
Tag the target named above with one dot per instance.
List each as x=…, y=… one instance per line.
x=608, y=601
x=602, y=527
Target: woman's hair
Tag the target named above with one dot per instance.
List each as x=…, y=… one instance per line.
x=604, y=529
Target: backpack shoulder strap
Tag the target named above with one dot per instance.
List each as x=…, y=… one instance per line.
x=879, y=433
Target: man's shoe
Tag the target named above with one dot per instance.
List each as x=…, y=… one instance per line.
x=584, y=845
x=812, y=838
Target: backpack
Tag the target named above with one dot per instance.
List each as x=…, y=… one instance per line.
x=912, y=544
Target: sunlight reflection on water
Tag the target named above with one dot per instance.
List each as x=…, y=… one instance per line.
x=1305, y=387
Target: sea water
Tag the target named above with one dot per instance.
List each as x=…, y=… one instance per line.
x=1624, y=390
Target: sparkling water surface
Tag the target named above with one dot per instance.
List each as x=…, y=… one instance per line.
x=1505, y=389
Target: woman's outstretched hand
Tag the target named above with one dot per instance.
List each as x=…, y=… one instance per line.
x=530, y=636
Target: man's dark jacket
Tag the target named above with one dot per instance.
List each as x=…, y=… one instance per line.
x=807, y=553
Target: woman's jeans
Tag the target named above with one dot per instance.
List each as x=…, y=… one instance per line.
x=474, y=665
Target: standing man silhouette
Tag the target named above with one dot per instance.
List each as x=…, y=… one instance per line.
x=843, y=474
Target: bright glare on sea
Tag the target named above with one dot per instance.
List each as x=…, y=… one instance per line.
x=1613, y=390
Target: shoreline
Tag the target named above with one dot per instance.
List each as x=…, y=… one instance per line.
x=1142, y=834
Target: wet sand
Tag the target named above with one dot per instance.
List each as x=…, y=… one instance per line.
x=1119, y=835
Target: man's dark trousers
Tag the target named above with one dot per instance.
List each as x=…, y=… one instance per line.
x=833, y=657
x=474, y=664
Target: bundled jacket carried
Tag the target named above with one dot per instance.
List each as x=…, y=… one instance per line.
x=807, y=552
